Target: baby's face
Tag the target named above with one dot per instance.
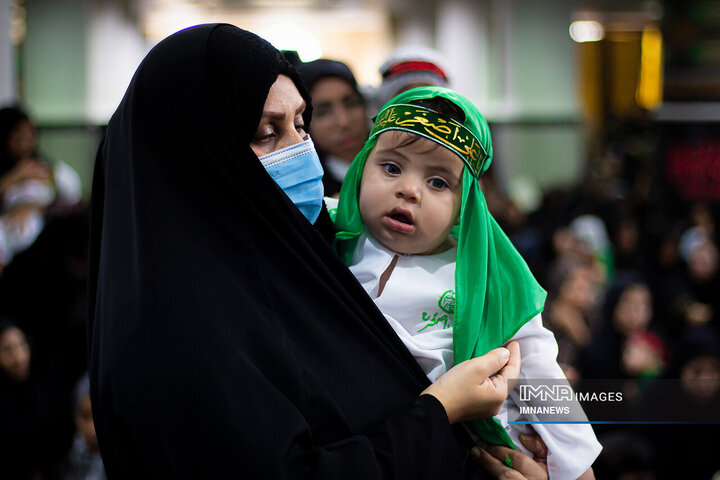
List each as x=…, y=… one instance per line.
x=410, y=193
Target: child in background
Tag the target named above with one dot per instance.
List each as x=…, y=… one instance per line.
x=84, y=461
x=413, y=226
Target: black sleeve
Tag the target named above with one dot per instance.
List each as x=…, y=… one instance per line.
x=264, y=436
x=414, y=444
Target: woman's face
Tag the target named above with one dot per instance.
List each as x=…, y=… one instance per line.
x=340, y=125
x=14, y=354
x=282, y=124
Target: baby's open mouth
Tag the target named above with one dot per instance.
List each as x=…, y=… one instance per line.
x=399, y=220
x=401, y=217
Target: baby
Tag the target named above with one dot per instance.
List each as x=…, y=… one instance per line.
x=414, y=228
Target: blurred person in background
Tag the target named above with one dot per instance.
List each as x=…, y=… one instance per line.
x=35, y=410
x=340, y=123
x=572, y=297
x=702, y=280
x=644, y=355
x=43, y=238
x=686, y=279
x=409, y=67
x=628, y=251
x=83, y=462
x=625, y=456
x=627, y=310
x=594, y=241
x=30, y=184
x=689, y=391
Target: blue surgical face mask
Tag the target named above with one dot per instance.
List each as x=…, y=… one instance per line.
x=297, y=171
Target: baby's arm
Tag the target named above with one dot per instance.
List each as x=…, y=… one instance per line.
x=572, y=447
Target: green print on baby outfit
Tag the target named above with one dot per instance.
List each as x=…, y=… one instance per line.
x=447, y=302
x=447, y=305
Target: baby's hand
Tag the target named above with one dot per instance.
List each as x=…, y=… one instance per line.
x=472, y=390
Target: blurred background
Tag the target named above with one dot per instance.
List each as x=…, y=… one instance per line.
x=549, y=76
x=605, y=118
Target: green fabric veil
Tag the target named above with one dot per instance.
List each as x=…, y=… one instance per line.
x=495, y=291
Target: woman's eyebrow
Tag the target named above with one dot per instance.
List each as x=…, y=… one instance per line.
x=281, y=115
x=274, y=115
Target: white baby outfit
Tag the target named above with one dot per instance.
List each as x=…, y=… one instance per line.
x=418, y=301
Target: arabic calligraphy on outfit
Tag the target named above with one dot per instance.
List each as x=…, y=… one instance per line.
x=227, y=340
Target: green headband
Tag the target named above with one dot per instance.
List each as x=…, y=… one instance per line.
x=438, y=128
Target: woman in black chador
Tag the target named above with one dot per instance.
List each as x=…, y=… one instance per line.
x=226, y=338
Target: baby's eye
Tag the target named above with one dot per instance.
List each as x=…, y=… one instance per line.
x=438, y=183
x=391, y=168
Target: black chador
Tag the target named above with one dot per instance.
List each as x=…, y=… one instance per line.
x=226, y=338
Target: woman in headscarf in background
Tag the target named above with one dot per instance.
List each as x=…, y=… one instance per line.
x=340, y=124
x=227, y=340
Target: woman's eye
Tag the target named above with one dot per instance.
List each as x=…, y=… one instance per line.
x=437, y=183
x=263, y=136
x=300, y=129
x=391, y=168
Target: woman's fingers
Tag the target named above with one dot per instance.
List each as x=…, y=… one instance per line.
x=511, y=371
x=490, y=363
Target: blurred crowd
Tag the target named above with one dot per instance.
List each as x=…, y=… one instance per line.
x=630, y=268
x=44, y=400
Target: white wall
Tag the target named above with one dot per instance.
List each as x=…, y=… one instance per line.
x=7, y=66
x=515, y=60
x=55, y=61
x=115, y=48
x=79, y=58
x=463, y=38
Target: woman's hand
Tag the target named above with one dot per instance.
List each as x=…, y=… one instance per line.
x=472, y=389
x=495, y=459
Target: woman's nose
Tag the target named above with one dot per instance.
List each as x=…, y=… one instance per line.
x=293, y=137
